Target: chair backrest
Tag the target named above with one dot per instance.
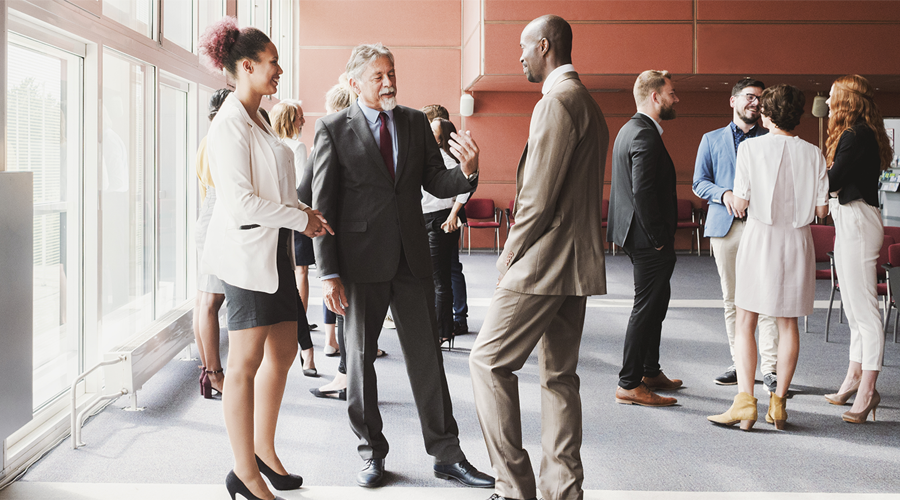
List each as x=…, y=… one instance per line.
x=894, y=232
x=823, y=241
x=685, y=210
x=894, y=255
x=480, y=208
x=604, y=209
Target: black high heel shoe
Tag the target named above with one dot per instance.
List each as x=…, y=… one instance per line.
x=279, y=482
x=234, y=485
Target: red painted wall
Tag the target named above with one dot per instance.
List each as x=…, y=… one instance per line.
x=443, y=47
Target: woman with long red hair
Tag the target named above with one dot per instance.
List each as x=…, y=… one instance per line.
x=857, y=151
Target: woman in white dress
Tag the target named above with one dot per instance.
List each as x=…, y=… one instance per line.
x=780, y=183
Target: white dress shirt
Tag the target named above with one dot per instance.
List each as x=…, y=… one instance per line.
x=432, y=204
x=554, y=75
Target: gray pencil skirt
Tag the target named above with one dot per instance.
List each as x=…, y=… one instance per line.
x=250, y=308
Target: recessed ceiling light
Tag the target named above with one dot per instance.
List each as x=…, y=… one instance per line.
x=707, y=88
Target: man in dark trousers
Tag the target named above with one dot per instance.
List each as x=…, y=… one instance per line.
x=370, y=164
x=643, y=209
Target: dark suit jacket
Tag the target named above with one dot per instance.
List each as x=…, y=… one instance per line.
x=374, y=217
x=643, y=204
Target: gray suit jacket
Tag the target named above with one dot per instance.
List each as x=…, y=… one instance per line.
x=374, y=217
x=555, y=247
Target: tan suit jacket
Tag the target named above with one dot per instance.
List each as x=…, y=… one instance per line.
x=555, y=246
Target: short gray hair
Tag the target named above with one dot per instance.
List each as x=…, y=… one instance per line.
x=363, y=55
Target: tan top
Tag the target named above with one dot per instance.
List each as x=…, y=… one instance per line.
x=203, y=173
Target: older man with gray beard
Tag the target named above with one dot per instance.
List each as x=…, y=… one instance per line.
x=371, y=162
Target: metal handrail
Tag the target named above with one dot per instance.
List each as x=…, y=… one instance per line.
x=77, y=418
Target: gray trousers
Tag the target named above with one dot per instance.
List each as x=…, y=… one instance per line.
x=411, y=301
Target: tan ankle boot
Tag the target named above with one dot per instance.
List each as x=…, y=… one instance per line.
x=777, y=413
x=743, y=410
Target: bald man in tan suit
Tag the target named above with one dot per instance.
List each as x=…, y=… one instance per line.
x=553, y=259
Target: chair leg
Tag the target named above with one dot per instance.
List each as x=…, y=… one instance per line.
x=497, y=231
x=698, y=242
x=828, y=316
x=806, y=324
x=470, y=240
x=841, y=313
x=896, y=320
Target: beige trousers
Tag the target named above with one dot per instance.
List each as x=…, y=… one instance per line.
x=516, y=323
x=857, y=243
x=725, y=250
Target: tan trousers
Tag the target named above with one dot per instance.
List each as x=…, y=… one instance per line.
x=857, y=243
x=725, y=250
x=515, y=324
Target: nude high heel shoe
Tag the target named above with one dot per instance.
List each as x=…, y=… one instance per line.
x=840, y=398
x=861, y=417
x=743, y=410
x=777, y=413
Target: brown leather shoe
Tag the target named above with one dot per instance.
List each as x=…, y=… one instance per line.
x=661, y=383
x=641, y=395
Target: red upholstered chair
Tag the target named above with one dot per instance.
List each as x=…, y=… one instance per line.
x=604, y=215
x=701, y=218
x=687, y=220
x=823, y=246
x=482, y=215
x=893, y=285
x=893, y=232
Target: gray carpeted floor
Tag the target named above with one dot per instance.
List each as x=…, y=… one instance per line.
x=180, y=438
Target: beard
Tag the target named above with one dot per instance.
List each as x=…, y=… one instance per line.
x=388, y=103
x=667, y=112
x=749, y=118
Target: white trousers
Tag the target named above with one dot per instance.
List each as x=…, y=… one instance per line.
x=858, y=239
x=725, y=250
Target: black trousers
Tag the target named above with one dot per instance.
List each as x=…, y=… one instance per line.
x=442, y=245
x=652, y=272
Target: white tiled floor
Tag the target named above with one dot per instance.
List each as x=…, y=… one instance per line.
x=82, y=491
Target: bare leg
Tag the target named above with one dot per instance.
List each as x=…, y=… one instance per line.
x=280, y=351
x=854, y=376
x=301, y=273
x=330, y=339
x=866, y=390
x=788, y=351
x=244, y=359
x=208, y=320
x=745, y=349
x=339, y=382
x=197, y=337
x=308, y=359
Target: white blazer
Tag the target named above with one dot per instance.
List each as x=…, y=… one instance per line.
x=248, y=193
x=758, y=162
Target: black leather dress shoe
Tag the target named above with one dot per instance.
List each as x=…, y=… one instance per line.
x=371, y=474
x=465, y=473
x=498, y=497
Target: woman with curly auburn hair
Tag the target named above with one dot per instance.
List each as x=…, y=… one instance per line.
x=249, y=248
x=857, y=150
x=781, y=179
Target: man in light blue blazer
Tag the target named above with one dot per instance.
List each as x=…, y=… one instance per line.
x=713, y=181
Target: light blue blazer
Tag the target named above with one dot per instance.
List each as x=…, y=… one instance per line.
x=714, y=175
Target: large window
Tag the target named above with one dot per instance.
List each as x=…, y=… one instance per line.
x=178, y=22
x=43, y=122
x=127, y=198
x=136, y=14
x=172, y=212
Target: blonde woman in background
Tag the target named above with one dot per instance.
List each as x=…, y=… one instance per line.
x=288, y=121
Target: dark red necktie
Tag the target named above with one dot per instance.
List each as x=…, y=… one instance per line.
x=387, y=148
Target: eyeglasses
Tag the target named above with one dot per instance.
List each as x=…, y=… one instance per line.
x=751, y=97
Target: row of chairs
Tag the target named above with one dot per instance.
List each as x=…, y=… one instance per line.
x=887, y=269
x=482, y=214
